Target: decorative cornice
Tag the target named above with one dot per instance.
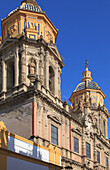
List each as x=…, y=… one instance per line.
x=54, y=118
x=77, y=130
x=67, y=160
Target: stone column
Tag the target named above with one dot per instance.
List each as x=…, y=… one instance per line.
x=56, y=79
x=83, y=144
x=3, y=76
x=59, y=82
x=46, y=71
x=16, y=65
x=106, y=129
x=95, y=150
x=23, y=67
x=41, y=65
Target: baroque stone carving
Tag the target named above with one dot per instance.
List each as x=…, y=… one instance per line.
x=32, y=54
x=107, y=153
x=54, y=118
x=32, y=70
x=32, y=67
x=77, y=130
x=99, y=146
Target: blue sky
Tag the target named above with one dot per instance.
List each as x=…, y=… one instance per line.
x=84, y=33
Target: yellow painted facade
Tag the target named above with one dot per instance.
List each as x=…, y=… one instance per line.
x=32, y=23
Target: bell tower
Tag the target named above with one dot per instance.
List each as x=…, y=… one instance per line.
x=88, y=99
x=30, y=65
x=33, y=53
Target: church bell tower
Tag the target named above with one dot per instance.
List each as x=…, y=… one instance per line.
x=30, y=62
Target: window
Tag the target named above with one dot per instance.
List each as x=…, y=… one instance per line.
x=98, y=156
x=32, y=36
x=28, y=25
x=76, y=145
x=10, y=75
x=107, y=165
x=54, y=135
x=35, y=26
x=88, y=153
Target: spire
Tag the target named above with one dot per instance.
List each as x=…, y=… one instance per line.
x=86, y=63
x=86, y=73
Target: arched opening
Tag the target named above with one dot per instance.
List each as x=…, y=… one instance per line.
x=51, y=80
x=10, y=75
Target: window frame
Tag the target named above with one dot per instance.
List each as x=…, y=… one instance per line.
x=54, y=134
x=98, y=156
x=88, y=150
x=76, y=144
x=107, y=162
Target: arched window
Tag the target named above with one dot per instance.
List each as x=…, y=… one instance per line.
x=51, y=79
x=10, y=75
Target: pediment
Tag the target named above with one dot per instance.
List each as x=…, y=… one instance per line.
x=7, y=41
x=55, y=51
x=99, y=146
x=54, y=118
x=77, y=130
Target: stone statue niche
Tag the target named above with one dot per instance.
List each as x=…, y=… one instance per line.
x=32, y=70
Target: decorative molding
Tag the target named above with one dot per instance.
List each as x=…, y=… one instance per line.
x=77, y=130
x=54, y=118
x=99, y=146
x=107, y=153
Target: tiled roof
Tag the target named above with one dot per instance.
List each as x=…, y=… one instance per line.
x=91, y=85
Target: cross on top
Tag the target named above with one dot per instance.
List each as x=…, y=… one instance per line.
x=86, y=63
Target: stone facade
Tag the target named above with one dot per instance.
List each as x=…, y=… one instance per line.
x=30, y=103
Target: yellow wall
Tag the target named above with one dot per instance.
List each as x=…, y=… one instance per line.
x=14, y=24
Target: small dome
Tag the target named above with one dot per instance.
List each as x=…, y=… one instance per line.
x=90, y=85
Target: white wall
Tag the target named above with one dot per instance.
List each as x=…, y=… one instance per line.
x=24, y=148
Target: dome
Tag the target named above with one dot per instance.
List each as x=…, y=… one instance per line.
x=84, y=85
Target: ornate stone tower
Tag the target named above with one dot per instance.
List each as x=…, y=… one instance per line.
x=87, y=106
x=29, y=62
x=88, y=95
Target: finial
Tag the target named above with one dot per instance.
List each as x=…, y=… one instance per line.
x=86, y=63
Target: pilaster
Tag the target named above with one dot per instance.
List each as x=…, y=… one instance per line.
x=16, y=65
x=47, y=70
x=23, y=67
x=56, y=79
x=41, y=65
x=3, y=76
